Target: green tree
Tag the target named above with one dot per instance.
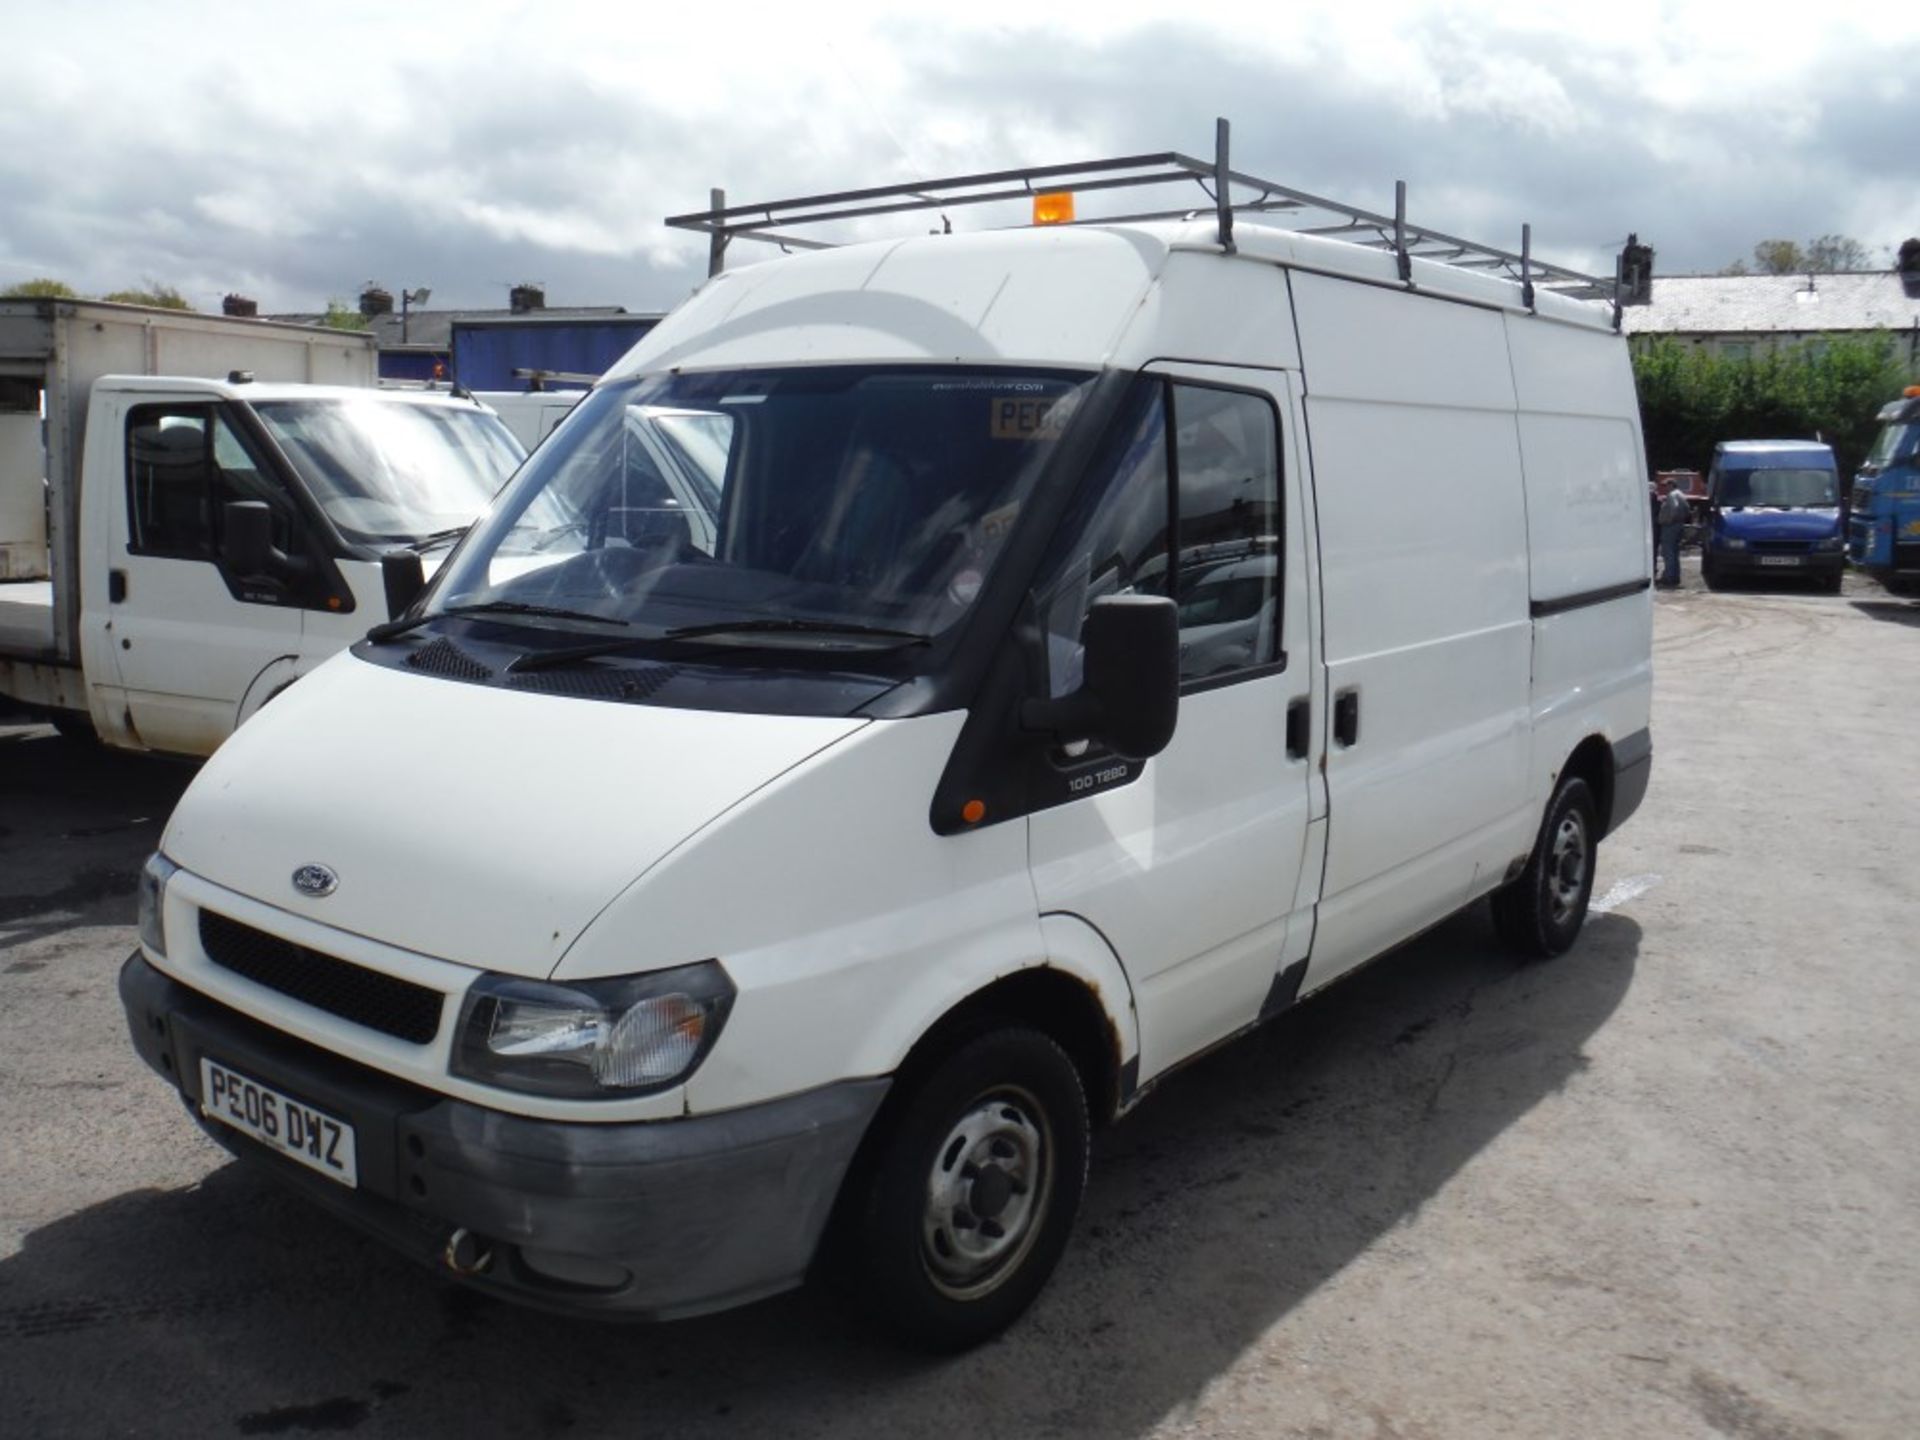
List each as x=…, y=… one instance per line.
x=161, y=297
x=1822, y=255
x=342, y=317
x=1830, y=253
x=42, y=289
x=1779, y=257
x=1691, y=400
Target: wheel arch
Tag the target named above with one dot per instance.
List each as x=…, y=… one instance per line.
x=1068, y=1002
x=1592, y=761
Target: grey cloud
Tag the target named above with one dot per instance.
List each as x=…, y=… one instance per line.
x=90, y=194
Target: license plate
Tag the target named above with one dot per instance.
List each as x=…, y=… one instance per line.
x=279, y=1121
x=1780, y=559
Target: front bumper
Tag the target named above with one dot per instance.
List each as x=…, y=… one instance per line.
x=1823, y=564
x=653, y=1220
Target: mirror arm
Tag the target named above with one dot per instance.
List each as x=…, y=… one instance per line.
x=1071, y=717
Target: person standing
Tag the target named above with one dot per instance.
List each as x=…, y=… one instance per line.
x=1674, y=514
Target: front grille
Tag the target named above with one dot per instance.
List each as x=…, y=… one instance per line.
x=366, y=997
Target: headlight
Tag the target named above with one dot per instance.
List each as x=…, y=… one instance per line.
x=592, y=1039
x=1832, y=542
x=153, y=895
x=1729, y=542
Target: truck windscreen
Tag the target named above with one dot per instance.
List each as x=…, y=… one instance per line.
x=1896, y=444
x=387, y=470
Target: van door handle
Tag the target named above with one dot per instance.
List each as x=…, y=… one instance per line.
x=1346, y=717
x=1299, y=726
x=116, y=586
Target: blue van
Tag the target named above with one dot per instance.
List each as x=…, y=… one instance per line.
x=1773, y=509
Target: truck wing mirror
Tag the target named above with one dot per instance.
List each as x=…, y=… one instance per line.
x=246, y=539
x=1129, y=699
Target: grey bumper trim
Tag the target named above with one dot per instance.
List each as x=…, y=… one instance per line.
x=700, y=1213
x=1632, y=770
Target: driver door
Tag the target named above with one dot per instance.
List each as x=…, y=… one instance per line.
x=1195, y=866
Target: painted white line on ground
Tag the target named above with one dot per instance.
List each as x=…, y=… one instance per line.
x=1621, y=891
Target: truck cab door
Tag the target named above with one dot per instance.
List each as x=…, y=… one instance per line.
x=188, y=637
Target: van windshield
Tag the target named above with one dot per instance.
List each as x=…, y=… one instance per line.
x=1779, y=486
x=839, y=508
x=390, y=470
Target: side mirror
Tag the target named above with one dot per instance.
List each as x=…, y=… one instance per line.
x=404, y=577
x=246, y=540
x=1129, y=698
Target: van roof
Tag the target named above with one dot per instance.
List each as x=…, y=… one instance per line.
x=1048, y=296
x=1760, y=454
x=255, y=390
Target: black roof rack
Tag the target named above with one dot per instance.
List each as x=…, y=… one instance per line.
x=1225, y=192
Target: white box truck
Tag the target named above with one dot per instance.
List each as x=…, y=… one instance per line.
x=195, y=510
x=1105, y=637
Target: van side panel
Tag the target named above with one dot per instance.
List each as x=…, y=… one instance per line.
x=1589, y=535
x=1587, y=518
x=1416, y=466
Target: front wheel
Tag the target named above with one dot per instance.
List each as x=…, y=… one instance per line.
x=1541, y=911
x=971, y=1191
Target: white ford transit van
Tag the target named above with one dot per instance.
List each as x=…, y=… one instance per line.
x=1102, y=638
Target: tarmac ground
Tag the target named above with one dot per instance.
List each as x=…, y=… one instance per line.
x=1668, y=1185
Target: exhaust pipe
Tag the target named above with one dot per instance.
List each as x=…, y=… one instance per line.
x=467, y=1253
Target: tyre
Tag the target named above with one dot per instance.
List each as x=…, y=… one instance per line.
x=1831, y=583
x=1710, y=573
x=73, y=727
x=1539, y=913
x=966, y=1200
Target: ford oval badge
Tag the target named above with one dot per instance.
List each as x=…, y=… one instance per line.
x=316, y=881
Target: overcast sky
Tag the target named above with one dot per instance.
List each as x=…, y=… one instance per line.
x=472, y=145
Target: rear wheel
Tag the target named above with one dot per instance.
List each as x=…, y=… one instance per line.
x=1541, y=911
x=971, y=1190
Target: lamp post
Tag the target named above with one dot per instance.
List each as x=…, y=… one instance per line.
x=410, y=298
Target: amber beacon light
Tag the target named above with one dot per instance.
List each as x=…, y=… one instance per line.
x=1053, y=208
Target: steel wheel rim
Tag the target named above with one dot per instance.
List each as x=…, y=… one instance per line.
x=1567, y=867
x=987, y=1192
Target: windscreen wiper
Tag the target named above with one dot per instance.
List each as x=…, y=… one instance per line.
x=795, y=625
x=569, y=654
x=388, y=629
x=438, y=537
